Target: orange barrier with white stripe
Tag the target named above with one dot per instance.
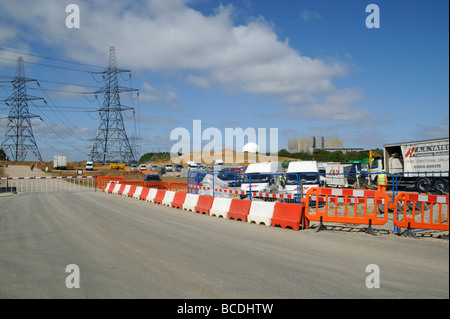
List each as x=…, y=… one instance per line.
x=102, y=181
x=418, y=211
x=110, y=187
x=178, y=200
x=159, y=196
x=144, y=193
x=349, y=206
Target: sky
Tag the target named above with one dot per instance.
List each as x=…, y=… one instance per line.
x=304, y=68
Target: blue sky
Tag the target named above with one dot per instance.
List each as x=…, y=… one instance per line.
x=307, y=68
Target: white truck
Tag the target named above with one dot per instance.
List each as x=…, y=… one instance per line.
x=342, y=175
x=89, y=165
x=301, y=174
x=422, y=165
x=59, y=162
x=261, y=178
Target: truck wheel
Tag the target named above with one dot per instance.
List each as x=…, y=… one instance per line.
x=440, y=185
x=423, y=185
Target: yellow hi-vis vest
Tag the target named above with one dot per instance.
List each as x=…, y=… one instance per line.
x=382, y=179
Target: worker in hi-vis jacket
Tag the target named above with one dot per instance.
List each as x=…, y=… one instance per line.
x=382, y=181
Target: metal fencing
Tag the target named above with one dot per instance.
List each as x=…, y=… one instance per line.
x=292, y=187
x=46, y=184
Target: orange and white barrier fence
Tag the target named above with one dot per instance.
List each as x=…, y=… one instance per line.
x=102, y=181
x=418, y=211
x=348, y=206
x=324, y=205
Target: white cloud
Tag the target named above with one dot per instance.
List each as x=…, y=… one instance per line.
x=161, y=35
x=198, y=81
x=440, y=129
x=307, y=15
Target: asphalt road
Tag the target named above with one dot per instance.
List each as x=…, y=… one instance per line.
x=127, y=248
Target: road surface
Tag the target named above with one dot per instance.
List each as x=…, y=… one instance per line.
x=127, y=248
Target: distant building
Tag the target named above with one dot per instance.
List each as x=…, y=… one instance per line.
x=310, y=144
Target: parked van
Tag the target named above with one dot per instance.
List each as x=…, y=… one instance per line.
x=261, y=178
x=89, y=165
x=169, y=167
x=305, y=173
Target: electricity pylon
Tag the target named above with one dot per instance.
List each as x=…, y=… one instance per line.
x=111, y=143
x=19, y=138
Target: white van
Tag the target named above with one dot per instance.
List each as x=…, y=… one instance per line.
x=261, y=177
x=169, y=167
x=301, y=172
x=89, y=165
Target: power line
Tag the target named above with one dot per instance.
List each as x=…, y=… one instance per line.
x=50, y=58
x=50, y=66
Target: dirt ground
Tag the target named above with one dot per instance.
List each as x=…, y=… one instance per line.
x=72, y=169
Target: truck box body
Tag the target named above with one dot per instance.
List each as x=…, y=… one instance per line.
x=420, y=157
x=339, y=175
x=422, y=165
x=59, y=162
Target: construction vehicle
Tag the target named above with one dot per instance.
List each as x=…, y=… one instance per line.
x=420, y=165
x=59, y=162
x=117, y=165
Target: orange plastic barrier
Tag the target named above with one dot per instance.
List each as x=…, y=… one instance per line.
x=289, y=215
x=349, y=206
x=111, y=187
x=178, y=200
x=102, y=181
x=134, y=183
x=239, y=209
x=131, y=190
x=121, y=189
x=144, y=193
x=419, y=211
x=157, y=185
x=159, y=196
x=204, y=204
x=178, y=187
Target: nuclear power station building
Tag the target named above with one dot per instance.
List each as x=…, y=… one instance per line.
x=310, y=144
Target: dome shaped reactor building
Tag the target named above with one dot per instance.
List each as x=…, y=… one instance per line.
x=250, y=148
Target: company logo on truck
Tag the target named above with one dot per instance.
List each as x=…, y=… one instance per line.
x=410, y=152
x=425, y=151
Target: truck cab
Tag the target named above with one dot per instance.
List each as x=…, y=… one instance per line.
x=261, y=178
x=303, y=174
x=89, y=165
